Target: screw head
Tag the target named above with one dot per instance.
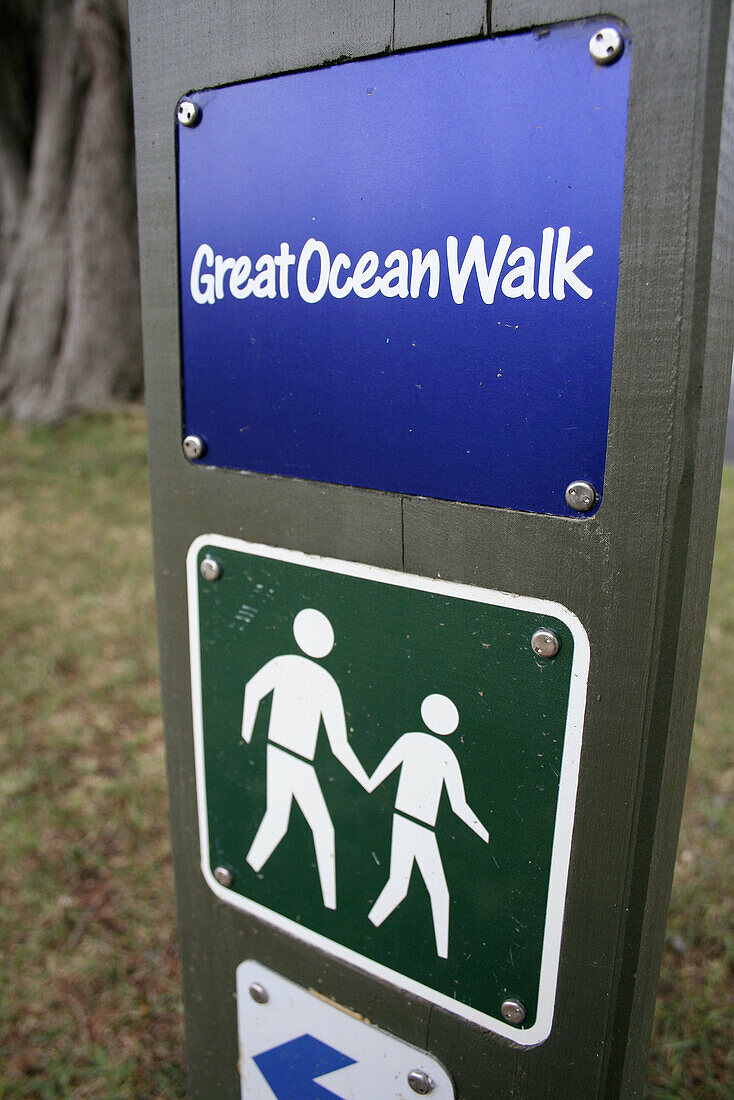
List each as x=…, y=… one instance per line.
x=581, y=496
x=210, y=569
x=259, y=993
x=513, y=1011
x=606, y=45
x=223, y=876
x=188, y=113
x=194, y=447
x=420, y=1082
x=545, y=643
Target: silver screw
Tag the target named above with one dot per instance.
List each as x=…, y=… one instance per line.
x=513, y=1011
x=606, y=46
x=420, y=1082
x=259, y=993
x=581, y=496
x=188, y=113
x=194, y=447
x=210, y=569
x=545, y=643
x=223, y=876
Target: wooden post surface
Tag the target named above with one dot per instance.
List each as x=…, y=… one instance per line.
x=636, y=574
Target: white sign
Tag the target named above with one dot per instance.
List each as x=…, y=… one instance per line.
x=296, y=1043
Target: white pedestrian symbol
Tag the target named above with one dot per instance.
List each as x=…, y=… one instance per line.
x=304, y=694
x=426, y=765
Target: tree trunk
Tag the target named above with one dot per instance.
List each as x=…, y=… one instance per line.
x=69, y=305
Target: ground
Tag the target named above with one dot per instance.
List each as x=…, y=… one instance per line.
x=89, y=1005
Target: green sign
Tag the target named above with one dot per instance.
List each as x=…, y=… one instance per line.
x=387, y=769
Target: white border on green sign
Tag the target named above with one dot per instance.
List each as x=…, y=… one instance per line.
x=540, y=1030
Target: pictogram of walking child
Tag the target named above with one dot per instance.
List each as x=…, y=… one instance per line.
x=426, y=766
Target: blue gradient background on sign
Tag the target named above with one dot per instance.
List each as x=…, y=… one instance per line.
x=501, y=405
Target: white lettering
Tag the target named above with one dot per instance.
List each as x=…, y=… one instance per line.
x=563, y=271
x=422, y=264
x=521, y=273
x=239, y=286
x=221, y=267
x=395, y=280
x=546, y=251
x=341, y=260
x=519, y=282
x=475, y=258
x=264, y=284
x=310, y=247
x=202, y=286
x=283, y=261
x=364, y=270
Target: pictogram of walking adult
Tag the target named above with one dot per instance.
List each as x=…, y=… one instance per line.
x=304, y=695
x=426, y=766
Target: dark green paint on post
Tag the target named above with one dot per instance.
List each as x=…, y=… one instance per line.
x=636, y=574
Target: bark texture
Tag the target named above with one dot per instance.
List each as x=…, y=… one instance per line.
x=69, y=297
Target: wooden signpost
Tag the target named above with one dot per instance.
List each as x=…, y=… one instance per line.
x=438, y=313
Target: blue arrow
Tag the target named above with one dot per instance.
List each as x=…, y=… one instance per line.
x=290, y=1068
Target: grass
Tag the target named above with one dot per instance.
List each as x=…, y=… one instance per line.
x=692, y=1055
x=89, y=1005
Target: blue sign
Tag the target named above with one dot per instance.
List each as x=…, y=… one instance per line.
x=401, y=273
